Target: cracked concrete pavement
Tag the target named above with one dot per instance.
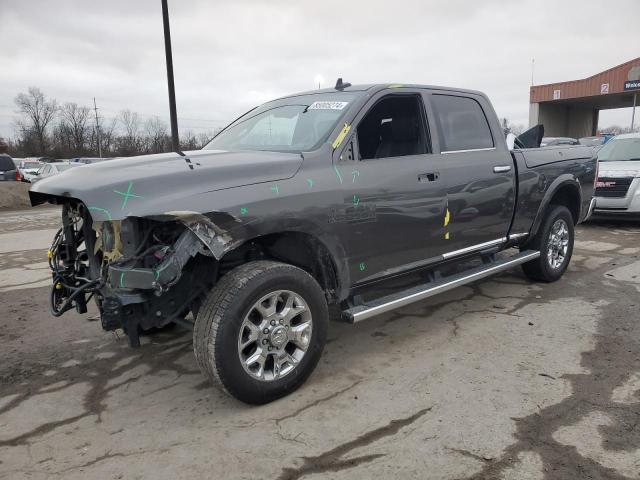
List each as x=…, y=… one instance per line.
x=502, y=379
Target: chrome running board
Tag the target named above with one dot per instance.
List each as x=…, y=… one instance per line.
x=415, y=294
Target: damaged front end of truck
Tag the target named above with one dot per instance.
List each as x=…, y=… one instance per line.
x=144, y=236
x=143, y=273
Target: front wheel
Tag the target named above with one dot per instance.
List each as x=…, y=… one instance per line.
x=554, y=240
x=261, y=330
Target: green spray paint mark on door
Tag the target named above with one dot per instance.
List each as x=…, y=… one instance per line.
x=244, y=211
x=275, y=189
x=362, y=267
x=127, y=195
x=355, y=174
x=335, y=169
x=310, y=182
x=356, y=200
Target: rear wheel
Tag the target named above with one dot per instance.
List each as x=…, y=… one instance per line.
x=554, y=240
x=261, y=331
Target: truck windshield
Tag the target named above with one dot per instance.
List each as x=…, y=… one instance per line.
x=292, y=124
x=620, y=149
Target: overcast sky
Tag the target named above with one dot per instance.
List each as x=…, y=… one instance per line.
x=230, y=56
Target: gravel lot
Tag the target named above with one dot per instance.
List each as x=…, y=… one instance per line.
x=503, y=379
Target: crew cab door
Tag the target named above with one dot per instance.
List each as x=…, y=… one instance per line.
x=393, y=197
x=477, y=169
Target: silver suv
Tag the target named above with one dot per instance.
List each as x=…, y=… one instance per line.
x=618, y=185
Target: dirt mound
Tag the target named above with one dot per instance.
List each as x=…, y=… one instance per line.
x=14, y=195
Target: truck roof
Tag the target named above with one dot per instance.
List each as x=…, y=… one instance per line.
x=374, y=87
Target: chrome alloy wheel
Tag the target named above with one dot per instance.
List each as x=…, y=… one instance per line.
x=558, y=244
x=275, y=335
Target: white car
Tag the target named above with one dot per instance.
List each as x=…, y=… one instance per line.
x=53, y=168
x=28, y=168
x=618, y=184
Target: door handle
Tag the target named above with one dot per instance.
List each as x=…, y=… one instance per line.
x=428, y=177
x=501, y=168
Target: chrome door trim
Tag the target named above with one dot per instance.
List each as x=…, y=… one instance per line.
x=473, y=248
x=469, y=150
x=515, y=236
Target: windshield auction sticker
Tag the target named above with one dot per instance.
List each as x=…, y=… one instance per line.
x=327, y=105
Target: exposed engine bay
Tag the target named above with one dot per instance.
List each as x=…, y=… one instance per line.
x=142, y=273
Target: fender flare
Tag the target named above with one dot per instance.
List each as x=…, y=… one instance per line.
x=335, y=250
x=562, y=181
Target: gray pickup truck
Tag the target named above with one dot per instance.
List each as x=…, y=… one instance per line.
x=346, y=202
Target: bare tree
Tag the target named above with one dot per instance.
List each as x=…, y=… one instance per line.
x=130, y=141
x=107, y=137
x=188, y=141
x=508, y=127
x=157, y=138
x=74, y=121
x=68, y=131
x=205, y=137
x=37, y=112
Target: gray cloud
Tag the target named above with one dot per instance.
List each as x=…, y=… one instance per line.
x=230, y=56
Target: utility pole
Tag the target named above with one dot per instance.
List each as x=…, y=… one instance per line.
x=95, y=109
x=175, y=141
x=533, y=64
x=633, y=112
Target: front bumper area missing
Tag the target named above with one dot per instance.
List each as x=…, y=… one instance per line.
x=161, y=276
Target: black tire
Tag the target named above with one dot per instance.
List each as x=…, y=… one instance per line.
x=541, y=268
x=217, y=328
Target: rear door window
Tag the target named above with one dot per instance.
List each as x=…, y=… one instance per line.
x=6, y=163
x=462, y=123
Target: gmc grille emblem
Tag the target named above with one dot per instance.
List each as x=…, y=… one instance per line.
x=605, y=184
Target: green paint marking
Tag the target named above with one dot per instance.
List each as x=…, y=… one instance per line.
x=355, y=174
x=356, y=200
x=310, y=182
x=127, y=195
x=335, y=169
x=164, y=268
x=244, y=211
x=122, y=280
x=362, y=267
x=275, y=189
x=103, y=210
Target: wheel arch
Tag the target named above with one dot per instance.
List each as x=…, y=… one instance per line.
x=565, y=190
x=301, y=249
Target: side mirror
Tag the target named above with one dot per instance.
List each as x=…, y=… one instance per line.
x=511, y=141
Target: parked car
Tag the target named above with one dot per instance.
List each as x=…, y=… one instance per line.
x=556, y=141
x=27, y=170
x=595, y=142
x=307, y=204
x=51, y=169
x=618, y=186
x=8, y=170
x=89, y=160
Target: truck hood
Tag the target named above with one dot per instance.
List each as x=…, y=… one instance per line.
x=131, y=186
x=614, y=168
